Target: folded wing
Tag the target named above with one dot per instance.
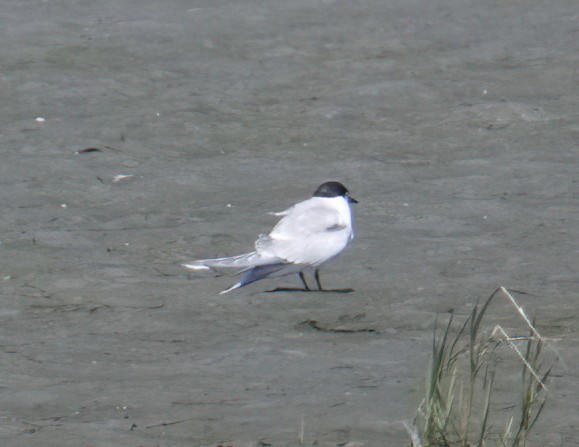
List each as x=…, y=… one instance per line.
x=309, y=233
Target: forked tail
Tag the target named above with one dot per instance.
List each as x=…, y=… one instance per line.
x=241, y=261
x=255, y=274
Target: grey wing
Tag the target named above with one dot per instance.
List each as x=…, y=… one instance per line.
x=308, y=235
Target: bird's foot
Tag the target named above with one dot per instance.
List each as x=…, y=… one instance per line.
x=289, y=289
x=295, y=289
x=347, y=290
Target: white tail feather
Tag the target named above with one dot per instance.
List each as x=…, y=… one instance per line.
x=241, y=261
x=233, y=287
x=196, y=266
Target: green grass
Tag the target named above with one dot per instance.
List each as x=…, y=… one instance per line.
x=465, y=369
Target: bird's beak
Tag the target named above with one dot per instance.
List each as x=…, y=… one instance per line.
x=352, y=200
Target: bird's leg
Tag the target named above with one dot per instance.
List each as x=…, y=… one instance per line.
x=317, y=276
x=302, y=277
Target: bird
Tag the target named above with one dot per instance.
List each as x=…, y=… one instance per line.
x=309, y=235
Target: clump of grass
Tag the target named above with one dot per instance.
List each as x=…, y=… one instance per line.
x=457, y=409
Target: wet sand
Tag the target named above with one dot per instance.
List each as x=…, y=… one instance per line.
x=454, y=123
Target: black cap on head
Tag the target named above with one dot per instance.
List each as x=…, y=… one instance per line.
x=333, y=189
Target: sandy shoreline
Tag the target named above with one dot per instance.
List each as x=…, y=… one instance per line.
x=454, y=124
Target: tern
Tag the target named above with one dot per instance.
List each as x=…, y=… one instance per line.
x=309, y=235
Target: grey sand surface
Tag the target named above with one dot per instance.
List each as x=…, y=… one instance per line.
x=453, y=122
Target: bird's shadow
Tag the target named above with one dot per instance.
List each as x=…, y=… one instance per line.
x=298, y=290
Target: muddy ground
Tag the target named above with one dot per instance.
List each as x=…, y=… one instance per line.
x=453, y=122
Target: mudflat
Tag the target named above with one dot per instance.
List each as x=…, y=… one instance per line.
x=137, y=135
